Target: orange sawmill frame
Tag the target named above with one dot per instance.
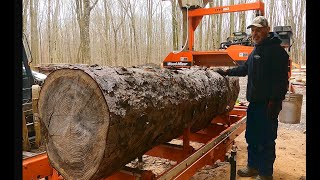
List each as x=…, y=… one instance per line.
x=195, y=16
x=217, y=138
x=231, y=56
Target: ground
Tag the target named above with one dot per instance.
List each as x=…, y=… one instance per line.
x=290, y=163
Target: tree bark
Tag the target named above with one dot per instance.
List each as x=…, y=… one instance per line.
x=97, y=119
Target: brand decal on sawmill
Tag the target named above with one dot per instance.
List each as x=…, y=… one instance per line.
x=243, y=54
x=177, y=63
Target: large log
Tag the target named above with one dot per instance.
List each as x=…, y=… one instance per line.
x=97, y=119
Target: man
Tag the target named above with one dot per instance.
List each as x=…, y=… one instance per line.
x=267, y=70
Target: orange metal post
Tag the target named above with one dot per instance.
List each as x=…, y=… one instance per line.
x=36, y=167
x=191, y=34
x=186, y=141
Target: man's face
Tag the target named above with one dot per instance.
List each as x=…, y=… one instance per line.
x=259, y=33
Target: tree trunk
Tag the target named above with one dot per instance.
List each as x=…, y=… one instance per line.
x=200, y=31
x=130, y=9
x=55, y=34
x=149, y=30
x=219, y=30
x=175, y=26
x=243, y=19
x=83, y=9
x=213, y=28
x=271, y=16
x=34, y=32
x=232, y=23
x=98, y=119
x=24, y=16
x=107, y=33
x=50, y=60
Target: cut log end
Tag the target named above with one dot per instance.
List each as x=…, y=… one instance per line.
x=75, y=119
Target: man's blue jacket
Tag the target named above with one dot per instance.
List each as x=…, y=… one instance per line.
x=267, y=69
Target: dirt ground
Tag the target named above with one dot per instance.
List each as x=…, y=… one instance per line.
x=290, y=163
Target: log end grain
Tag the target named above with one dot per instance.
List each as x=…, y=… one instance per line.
x=75, y=120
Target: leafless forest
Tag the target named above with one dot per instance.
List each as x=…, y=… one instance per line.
x=133, y=32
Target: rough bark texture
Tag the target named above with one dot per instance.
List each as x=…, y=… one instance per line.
x=97, y=119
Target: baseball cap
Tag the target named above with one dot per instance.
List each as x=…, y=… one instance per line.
x=259, y=21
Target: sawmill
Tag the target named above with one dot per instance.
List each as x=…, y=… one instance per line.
x=96, y=121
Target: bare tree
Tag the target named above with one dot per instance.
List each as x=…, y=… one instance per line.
x=83, y=10
x=298, y=24
x=34, y=31
x=174, y=25
x=52, y=31
x=107, y=31
x=130, y=9
x=219, y=29
x=243, y=19
x=49, y=31
x=74, y=34
x=124, y=48
x=232, y=24
x=271, y=10
x=208, y=34
x=115, y=24
x=162, y=32
x=200, y=30
x=24, y=16
x=148, y=38
x=301, y=54
x=213, y=28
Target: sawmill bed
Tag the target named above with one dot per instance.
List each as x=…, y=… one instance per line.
x=182, y=157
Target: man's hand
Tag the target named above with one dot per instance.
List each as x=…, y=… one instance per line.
x=221, y=72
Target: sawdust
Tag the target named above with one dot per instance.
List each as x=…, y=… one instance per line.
x=159, y=165
x=195, y=145
x=150, y=163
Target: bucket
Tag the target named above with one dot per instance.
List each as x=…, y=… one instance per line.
x=291, y=109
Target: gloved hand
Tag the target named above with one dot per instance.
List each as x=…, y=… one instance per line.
x=222, y=72
x=274, y=108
